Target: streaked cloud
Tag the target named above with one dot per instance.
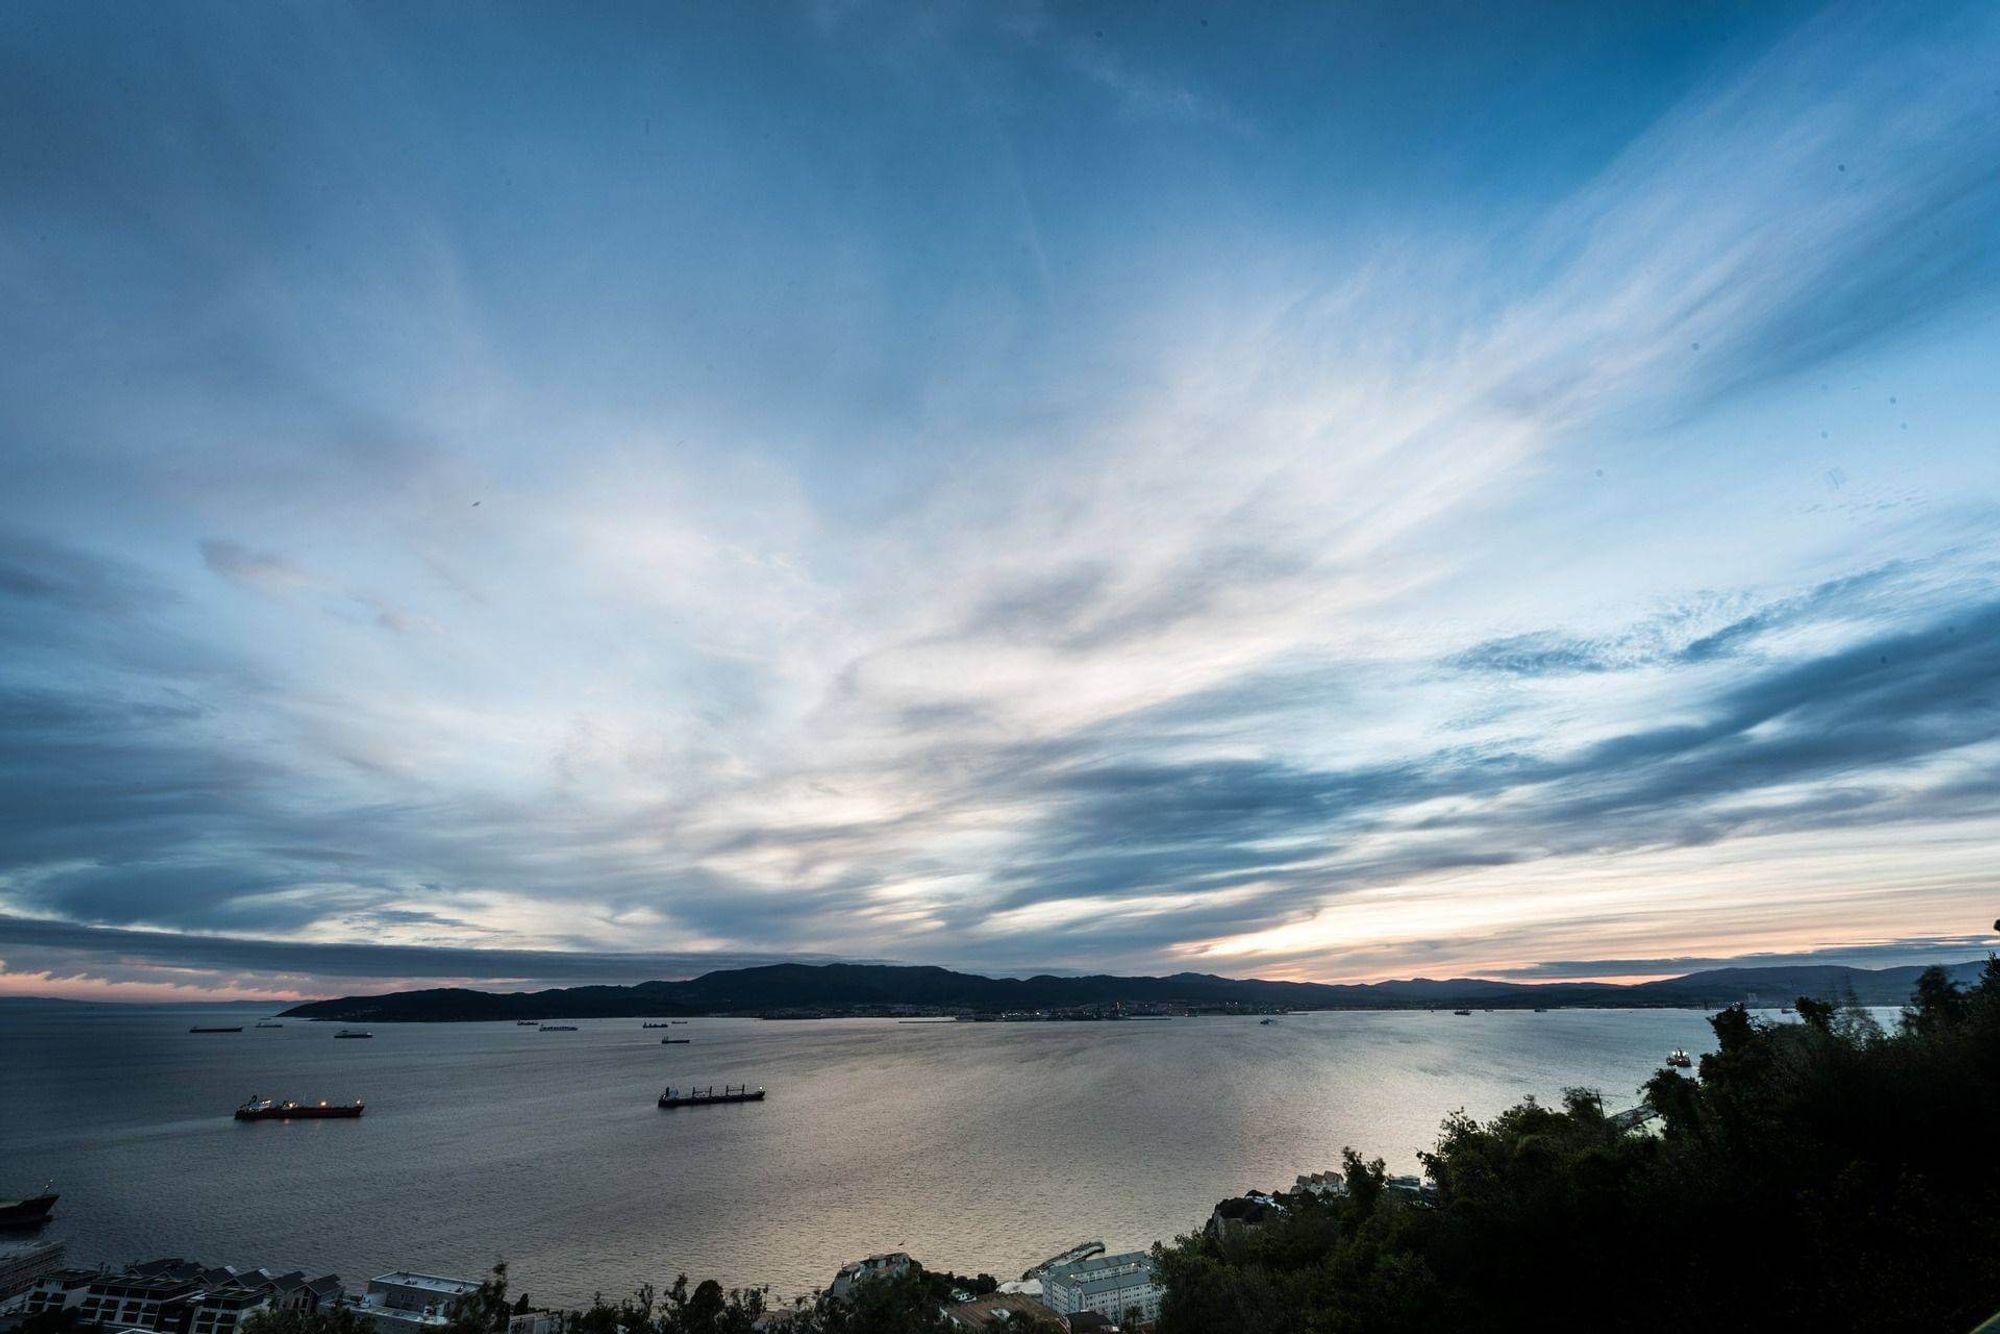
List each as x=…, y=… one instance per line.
x=995, y=490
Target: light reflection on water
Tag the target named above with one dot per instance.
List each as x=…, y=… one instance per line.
x=974, y=1147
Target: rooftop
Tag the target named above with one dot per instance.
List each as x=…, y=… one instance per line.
x=1096, y=1265
x=455, y=1287
x=998, y=1311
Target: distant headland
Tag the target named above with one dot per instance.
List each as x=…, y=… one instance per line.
x=795, y=990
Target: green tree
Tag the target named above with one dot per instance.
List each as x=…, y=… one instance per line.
x=1937, y=1004
x=904, y=1304
x=483, y=1311
x=1815, y=1013
x=708, y=1309
x=327, y=1320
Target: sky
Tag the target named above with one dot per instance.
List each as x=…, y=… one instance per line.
x=523, y=494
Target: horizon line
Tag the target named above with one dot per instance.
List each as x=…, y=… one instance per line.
x=249, y=970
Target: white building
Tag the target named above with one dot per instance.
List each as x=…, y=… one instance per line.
x=1327, y=1185
x=889, y=1264
x=405, y=1303
x=1112, y=1286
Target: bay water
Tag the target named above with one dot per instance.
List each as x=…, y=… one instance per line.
x=975, y=1147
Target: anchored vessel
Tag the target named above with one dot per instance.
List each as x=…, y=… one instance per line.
x=703, y=1096
x=665, y=1041
x=659, y=1025
x=27, y=1213
x=269, y=1109
x=200, y=1028
x=527, y=1023
x=268, y=1024
x=354, y=1033
x=558, y=1028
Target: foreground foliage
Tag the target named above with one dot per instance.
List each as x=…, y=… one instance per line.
x=909, y=1304
x=1818, y=1175
x=333, y=1320
x=704, y=1308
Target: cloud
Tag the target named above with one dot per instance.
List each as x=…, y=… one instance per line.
x=1841, y=738
x=1710, y=630
x=1908, y=952
x=273, y=575
x=1142, y=93
x=37, y=570
x=263, y=571
x=1208, y=575
x=63, y=950
x=1537, y=654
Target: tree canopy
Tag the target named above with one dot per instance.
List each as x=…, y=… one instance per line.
x=1823, y=1174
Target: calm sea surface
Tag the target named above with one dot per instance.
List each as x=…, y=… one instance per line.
x=974, y=1147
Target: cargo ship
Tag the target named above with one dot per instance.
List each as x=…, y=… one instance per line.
x=558, y=1028
x=198, y=1028
x=269, y=1109
x=27, y=1213
x=702, y=1097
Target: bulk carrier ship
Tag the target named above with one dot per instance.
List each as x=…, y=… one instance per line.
x=702, y=1097
x=29, y=1212
x=270, y=1109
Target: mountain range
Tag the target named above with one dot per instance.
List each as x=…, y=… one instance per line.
x=844, y=988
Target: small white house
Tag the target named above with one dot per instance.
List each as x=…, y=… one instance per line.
x=406, y=1303
x=889, y=1264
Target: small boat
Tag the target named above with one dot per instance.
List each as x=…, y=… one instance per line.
x=270, y=1109
x=198, y=1028
x=558, y=1028
x=354, y=1033
x=527, y=1023
x=1461, y=1012
x=667, y=1041
x=703, y=1096
x=33, y=1211
x=1541, y=1009
x=1679, y=1059
x=1262, y=1022
x=676, y=1021
x=661, y=1025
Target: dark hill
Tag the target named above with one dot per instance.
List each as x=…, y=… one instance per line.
x=878, y=988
